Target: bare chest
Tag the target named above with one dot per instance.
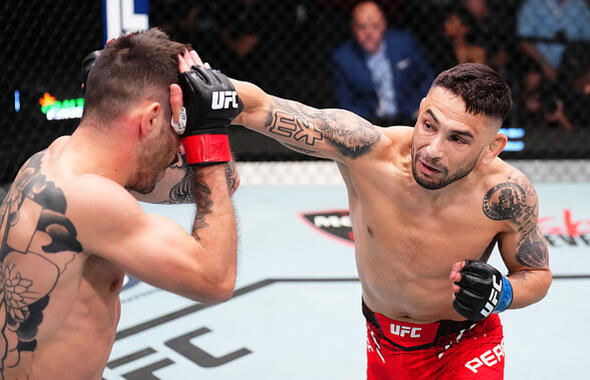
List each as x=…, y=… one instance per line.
x=405, y=231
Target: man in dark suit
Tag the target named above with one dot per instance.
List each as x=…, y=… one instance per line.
x=381, y=74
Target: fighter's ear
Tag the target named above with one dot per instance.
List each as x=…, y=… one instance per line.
x=149, y=116
x=494, y=148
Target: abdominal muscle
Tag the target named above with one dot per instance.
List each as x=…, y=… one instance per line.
x=405, y=276
x=422, y=300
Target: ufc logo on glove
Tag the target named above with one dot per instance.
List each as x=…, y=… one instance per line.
x=493, y=299
x=211, y=103
x=482, y=291
x=223, y=99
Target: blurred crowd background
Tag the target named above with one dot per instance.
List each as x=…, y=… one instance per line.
x=325, y=53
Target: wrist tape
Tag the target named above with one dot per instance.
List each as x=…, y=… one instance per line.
x=506, y=297
x=207, y=149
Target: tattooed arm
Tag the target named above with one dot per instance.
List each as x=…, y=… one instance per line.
x=176, y=186
x=331, y=133
x=153, y=248
x=522, y=247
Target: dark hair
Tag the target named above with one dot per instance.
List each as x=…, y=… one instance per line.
x=482, y=89
x=136, y=67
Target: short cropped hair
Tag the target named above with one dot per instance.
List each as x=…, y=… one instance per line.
x=482, y=89
x=133, y=68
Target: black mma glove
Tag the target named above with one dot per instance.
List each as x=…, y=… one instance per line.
x=86, y=65
x=211, y=103
x=483, y=290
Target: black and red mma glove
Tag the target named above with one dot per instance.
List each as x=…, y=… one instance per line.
x=211, y=103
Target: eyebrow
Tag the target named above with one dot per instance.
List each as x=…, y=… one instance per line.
x=462, y=133
x=432, y=116
x=454, y=131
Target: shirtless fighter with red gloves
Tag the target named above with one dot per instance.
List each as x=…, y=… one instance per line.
x=428, y=204
x=70, y=229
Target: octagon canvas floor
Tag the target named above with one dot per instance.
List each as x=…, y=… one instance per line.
x=296, y=309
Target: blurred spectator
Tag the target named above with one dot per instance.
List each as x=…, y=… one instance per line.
x=495, y=24
x=575, y=69
x=545, y=26
x=580, y=109
x=381, y=74
x=188, y=22
x=462, y=46
x=240, y=32
x=540, y=104
x=247, y=33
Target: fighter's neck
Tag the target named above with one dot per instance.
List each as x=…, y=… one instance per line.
x=93, y=151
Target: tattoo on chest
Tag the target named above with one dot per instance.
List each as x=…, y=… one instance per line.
x=510, y=201
x=37, y=243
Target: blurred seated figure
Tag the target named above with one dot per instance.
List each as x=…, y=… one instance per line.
x=494, y=23
x=579, y=108
x=575, y=77
x=463, y=48
x=540, y=104
x=189, y=22
x=381, y=74
x=249, y=31
x=546, y=26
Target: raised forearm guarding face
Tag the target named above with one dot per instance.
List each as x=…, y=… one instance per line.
x=177, y=184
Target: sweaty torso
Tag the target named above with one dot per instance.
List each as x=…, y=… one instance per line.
x=59, y=305
x=407, y=241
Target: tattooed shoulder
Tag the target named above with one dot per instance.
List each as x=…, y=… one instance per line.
x=516, y=201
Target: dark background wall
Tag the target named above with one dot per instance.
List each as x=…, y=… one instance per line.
x=282, y=45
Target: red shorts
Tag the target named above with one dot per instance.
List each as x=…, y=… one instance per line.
x=439, y=350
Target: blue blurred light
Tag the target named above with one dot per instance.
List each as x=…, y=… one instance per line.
x=512, y=133
x=17, y=100
x=514, y=146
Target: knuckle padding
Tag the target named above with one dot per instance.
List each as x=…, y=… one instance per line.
x=474, y=288
x=461, y=306
x=468, y=296
x=470, y=281
x=198, y=86
x=201, y=73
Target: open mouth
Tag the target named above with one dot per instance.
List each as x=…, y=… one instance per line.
x=429, y=170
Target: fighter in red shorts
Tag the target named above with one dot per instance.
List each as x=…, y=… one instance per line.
x=440, y=350
x=428, y=204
